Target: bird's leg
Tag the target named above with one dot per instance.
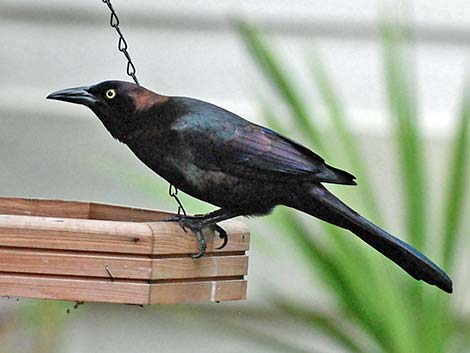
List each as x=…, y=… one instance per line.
x=197, y=223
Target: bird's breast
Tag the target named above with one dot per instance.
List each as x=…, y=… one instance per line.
x=178, y=166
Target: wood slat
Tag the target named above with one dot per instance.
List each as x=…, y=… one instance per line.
x=207, y=266
x=111, y=236
x=96, y=290
x=198, y=292
x=76, y=209
x=17, y=260
x=171, y=240
x=126, y=214
x=74, y=289
x=45, y=208
x=75, y=234
x=109, y=212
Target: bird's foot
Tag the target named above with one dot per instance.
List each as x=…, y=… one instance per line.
x=197, y=224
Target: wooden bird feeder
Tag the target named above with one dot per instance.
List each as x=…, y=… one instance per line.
x=91, y=252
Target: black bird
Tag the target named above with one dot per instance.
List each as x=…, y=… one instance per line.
x=243, y=168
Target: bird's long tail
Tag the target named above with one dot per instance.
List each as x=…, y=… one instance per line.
x=319, y=202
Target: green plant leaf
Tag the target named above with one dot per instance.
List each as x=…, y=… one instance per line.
x=328, y=324
x=273, y=70
x=382, y=289
x=402, y=103
x=346, y=269
x=458, y=174
x=350, y=148
x=244, y=323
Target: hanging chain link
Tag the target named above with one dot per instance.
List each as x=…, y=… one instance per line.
x=122, y=43
x=131, y=70
x=173, y=192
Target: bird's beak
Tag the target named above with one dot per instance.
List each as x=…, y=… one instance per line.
x=78, y=95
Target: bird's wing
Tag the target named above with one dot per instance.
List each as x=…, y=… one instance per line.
x=226, y=142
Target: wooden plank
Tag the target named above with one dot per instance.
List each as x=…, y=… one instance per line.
x=45, y=208
x=197, y=292
x=111, y=236
x=109, y=212
x=76, y=209
x=16, y=206
x=17, y=260
x=207, y=266
x=74, y=264
x=74, y=289
x=169, y=240
x=75, y=234
x=127, y=214
x=127, y=292
x=142, y=215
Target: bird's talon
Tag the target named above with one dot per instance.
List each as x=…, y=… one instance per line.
x=223, y=244
x=201, y=245
x=198, y=255
x=196, y=226
x=222, y=235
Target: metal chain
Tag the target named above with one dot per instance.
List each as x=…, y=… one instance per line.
x=122, y=43
x=131, y=70
x=173, y=192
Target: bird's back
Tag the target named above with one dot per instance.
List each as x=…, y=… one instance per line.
x=229, y=142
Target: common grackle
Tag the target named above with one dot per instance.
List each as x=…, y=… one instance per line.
x=243, y=168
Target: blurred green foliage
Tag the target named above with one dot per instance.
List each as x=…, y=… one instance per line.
x=392, y=312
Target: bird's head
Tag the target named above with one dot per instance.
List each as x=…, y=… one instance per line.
x=117, y=104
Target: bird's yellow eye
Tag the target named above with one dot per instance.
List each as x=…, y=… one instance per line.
x=110, y=94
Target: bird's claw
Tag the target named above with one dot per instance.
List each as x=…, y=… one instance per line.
x=222, y=235
x=196, y=226
x=201, y=244
x=194, y=223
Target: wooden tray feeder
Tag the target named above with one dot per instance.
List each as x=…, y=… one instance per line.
x=81, y=251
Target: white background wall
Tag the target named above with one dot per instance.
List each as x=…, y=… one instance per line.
x=188, y=48
x=54, y=150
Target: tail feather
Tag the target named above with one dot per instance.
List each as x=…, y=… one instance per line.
x=324, y=205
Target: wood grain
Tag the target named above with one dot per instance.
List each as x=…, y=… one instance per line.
x=74, y=289
x=126, y=214
x=45, y=208
x=18, y=260
x=96, y=290
x=197, y=292
x=112, y=236
x=74, y=263
x=171, y=239
x=76, y=209
x=75, y=234
x=206, y=266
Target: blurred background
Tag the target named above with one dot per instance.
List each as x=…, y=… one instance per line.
x=378, y=88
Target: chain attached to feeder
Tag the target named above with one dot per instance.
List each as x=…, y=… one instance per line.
x=173, y=192
x=131, y=71
x=122, y=43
